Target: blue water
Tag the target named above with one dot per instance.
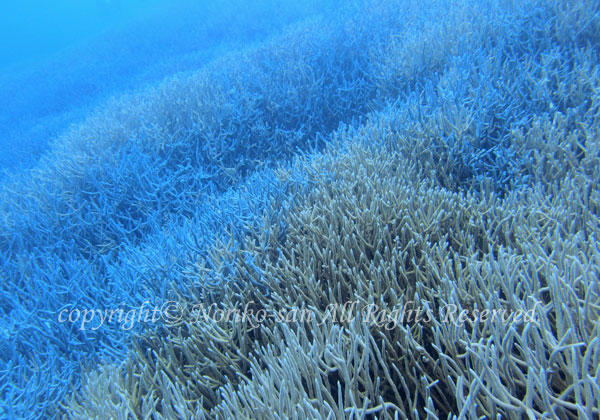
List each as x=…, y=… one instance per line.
x=63, y=60
x=137, y=134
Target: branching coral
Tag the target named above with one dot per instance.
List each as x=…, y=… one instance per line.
x=377, y=227
x=472, y=186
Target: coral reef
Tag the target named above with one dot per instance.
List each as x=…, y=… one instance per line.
x=378, y=231
x=402, y=164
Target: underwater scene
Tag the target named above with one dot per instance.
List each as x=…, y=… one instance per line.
x=314, y=209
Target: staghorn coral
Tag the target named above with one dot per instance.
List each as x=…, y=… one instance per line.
x=473, y=183
x=377, y=228
x=82, y=226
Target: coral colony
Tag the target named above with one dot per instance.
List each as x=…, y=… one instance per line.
x=384, y=210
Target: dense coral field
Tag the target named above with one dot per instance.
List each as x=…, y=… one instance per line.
x=420, y=179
